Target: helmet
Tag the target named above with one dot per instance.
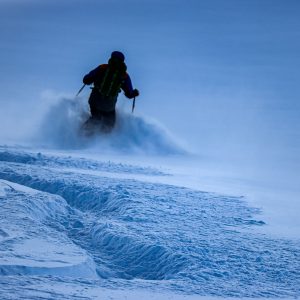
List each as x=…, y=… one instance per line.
x=119, y=55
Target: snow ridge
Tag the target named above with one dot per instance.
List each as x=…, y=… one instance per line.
x=79, y=163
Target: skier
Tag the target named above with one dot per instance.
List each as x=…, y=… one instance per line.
x=108, y=80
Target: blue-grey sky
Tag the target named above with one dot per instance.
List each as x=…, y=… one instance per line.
x=222, y=75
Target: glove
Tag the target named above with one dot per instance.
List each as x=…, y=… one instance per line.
x=87, y=79
x=135, y=93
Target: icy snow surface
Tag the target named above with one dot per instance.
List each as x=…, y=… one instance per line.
x=81, y=228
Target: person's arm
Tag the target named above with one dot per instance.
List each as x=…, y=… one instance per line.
x=90, y=77
x=127, y=88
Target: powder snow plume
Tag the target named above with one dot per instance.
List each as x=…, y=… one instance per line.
x=61, y=128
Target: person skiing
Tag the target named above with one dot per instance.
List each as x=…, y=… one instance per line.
x=108, y=80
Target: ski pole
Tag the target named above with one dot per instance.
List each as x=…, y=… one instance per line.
x=80, y=90
x=133, y=105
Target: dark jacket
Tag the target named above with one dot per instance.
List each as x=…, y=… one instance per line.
x=99, y=101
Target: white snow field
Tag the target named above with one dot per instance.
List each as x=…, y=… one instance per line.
x=77, y=226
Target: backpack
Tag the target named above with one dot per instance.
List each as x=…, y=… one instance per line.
x=113, y=77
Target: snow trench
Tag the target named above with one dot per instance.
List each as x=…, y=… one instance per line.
x=124, y=229
x=126, y=254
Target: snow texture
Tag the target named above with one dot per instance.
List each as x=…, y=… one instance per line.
x=69, y=232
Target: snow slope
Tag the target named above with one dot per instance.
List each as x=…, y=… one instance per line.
x=79, y=228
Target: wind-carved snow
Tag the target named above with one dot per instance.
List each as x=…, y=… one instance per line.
x=32, y=237
x=163, y=236
x=70, y=162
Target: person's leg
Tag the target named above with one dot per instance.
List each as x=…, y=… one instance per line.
x=108, y=120
x=94, y=122
x=95, y=113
